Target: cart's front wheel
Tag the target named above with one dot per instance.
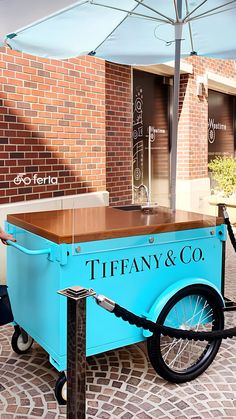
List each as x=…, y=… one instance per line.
x=61, y=389
x=21, y=342
x=197, y=308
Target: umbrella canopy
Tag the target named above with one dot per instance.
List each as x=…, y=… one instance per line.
x=126, y=31
x=132, y=32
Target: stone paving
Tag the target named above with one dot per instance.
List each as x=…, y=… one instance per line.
x=121, y=383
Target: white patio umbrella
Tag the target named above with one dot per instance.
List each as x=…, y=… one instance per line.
x=129, y=32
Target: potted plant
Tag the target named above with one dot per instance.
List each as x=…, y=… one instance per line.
x=223, y=175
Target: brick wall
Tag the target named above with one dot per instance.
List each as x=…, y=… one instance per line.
x=193, y=117
x=73, y=120
x=52, y=117
x=118, y=133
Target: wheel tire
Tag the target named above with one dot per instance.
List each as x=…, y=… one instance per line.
x=61, y=389
x=17, y=343
x=162, y=349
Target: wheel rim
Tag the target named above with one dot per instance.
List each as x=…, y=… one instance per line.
x=196, y=313
x=23, y=346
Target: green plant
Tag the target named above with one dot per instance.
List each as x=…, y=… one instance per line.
x=223, y=171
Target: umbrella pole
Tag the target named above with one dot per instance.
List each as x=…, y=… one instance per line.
x=175, y=110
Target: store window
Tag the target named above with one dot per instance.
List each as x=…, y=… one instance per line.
x=221, y=125
x=151, y=117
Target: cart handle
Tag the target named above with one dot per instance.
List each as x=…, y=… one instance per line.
x=23, y=249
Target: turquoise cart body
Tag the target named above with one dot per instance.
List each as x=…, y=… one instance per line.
x=140, y=273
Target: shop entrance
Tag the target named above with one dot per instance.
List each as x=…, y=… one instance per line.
x=151, y=137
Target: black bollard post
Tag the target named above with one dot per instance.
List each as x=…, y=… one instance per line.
x=76, y=350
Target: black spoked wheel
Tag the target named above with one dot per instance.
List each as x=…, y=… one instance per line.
x=61, y=389
x=197, y=308
x=21, y=342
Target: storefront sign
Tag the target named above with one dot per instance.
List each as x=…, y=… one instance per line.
x=213, y=127
x=221, y=115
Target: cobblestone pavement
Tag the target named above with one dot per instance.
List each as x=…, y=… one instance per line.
x=121, y=383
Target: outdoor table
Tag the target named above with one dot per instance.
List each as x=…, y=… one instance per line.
x=160, y=264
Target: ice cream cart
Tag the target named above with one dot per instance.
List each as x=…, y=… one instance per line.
x=164, y=265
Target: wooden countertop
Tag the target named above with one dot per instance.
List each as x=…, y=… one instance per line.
x=107, y=222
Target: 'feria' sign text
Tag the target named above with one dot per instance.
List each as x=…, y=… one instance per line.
x=104, y=269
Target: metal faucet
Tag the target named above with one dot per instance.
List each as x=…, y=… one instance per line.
x=146, y=192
